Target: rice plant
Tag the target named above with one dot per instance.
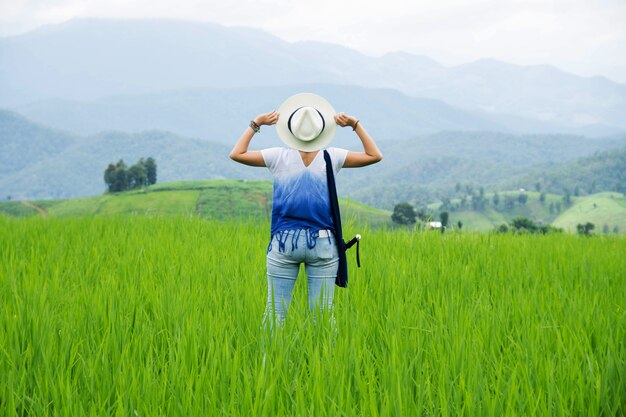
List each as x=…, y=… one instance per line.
x=159, y=316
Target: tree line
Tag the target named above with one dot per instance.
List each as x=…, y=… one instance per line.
x=119, y=177
x=477, y=200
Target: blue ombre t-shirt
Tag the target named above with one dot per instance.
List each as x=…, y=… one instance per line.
x=301, y=198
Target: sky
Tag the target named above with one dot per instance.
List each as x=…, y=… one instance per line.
x=586, y=37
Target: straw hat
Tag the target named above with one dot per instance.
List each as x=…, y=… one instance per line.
x=306, y=122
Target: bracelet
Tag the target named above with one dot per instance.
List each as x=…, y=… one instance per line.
x=355, y=125
x=255, y=127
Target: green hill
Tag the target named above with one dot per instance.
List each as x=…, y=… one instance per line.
x=240, y=199
x=37, y=162
x=214, y=199
x=607, y=211
x=601, y=209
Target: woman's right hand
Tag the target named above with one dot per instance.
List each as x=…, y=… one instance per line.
x=267, y=119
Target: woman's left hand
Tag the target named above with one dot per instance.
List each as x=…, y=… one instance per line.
x=344, y=120
x=266, y=119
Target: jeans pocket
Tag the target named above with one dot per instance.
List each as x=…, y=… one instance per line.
x=326, y=248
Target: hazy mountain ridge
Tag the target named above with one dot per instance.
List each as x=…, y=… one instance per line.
x=428, y=167
x=220, y=114
x=601, y=171
x=23, y=142
x=78, y=168
x=423, y=167
x=88, y=59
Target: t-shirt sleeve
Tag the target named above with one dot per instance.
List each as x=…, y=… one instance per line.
x=338, y=156
x=271, y=156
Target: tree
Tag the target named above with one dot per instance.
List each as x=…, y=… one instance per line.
x=444, y=216
x=403, y=213
x=522, y=198
x=503, y=228
x=118, y=177
x=109, y=177
x=478, y=201
x=585, y=229
x=542, y=197
x=151, y=171
x=509, y=202
x=459, y=224
x=423, y=214
x=567, y=198
x=137, y=176
x=496, y=199
x=523, y=224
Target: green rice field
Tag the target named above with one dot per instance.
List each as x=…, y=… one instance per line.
x=162, y=316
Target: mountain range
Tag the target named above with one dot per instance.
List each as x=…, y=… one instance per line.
x=39, y=162
x=88, y=92
x=220, y=115
x=86, y=60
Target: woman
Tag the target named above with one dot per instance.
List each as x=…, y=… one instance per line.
x=301, y=217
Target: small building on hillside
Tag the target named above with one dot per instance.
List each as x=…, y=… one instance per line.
x=434, y=225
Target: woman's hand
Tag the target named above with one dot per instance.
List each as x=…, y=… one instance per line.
x=267, y=119
x=370, y=155
x=240, y=152
x=344, y=120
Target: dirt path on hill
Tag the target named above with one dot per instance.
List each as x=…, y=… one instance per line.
x=41, y=210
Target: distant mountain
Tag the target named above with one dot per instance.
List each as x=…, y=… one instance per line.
x=220, y=115
x=74, y=166
x=88, y=59
x=23, y=142
x=541, y=93
x=429, y=166
x=52, y=164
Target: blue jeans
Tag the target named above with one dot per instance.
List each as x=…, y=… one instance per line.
x=286, y=251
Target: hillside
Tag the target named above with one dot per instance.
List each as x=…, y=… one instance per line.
x=251, y=200
x=601, y=171
x=62, y=166
x=24, y=142
x=428, y=168
x=238, y=199
x=211, y=199
x=607, y=211
x=42, y=163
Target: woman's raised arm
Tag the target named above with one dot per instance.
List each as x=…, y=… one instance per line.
x=370, y=155
x=240, y=152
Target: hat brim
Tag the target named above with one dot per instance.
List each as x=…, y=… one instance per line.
x=320, y=104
